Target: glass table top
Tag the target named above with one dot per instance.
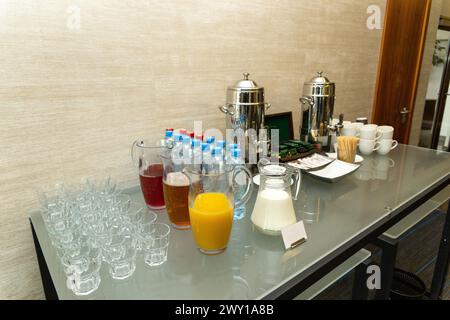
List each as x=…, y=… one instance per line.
x=335, y=215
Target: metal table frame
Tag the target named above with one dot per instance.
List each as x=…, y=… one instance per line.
x=301, y=282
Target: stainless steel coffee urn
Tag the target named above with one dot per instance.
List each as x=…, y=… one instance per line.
x=318, y=107
x=245, y=108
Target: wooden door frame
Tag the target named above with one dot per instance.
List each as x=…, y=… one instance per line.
x=376, y=108
x=442, y=99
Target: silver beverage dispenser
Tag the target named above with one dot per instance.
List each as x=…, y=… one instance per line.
x=245, y=109
x=318, y=107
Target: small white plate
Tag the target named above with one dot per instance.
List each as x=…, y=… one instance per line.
x=335, y=171
x=257, y=180
x=358, y=158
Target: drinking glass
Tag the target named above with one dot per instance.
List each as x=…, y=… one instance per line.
x=147, y=218
x=86, y=280
x=156, y=244
x=114, y=248
x=176, y=191
x=123, y=266
x=144, y=233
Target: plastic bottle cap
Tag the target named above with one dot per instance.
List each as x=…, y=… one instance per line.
x=169, y=134
x=196, y=143
x=205, y=146
x=169, y=129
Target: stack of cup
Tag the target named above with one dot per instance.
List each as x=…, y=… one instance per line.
x=369, y=139
x=386, y=136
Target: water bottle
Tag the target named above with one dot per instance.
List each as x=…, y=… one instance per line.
x=211, y=140
x=206, y=156
x=177, y=150
x=228, y=153
x=236, y=159
x=220, y=144
x=197, y=157
x=217, y=160
x=186, y=150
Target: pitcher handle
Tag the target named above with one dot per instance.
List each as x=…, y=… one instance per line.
x=133, y=153
x=297, y=182
x=248, y=191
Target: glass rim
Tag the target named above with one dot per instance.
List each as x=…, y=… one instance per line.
x=189, y=169
x=163, y=234
x=156, y=144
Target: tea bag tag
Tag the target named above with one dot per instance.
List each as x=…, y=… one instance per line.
x=294, y=235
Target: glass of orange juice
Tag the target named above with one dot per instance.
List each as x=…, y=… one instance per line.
x=211, y=206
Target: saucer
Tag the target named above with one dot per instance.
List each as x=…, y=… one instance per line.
x=358, y=158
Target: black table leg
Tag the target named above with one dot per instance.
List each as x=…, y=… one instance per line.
x=360, y=289
x=47, y=283
x=387, y=266
x=441, y=268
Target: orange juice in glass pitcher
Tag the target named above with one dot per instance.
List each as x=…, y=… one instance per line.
x=211, y=207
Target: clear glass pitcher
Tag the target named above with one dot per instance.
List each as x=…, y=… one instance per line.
x=146, y=157
x=274, y=208
x=176, y=190
x=211, y=206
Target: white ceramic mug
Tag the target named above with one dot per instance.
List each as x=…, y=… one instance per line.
x=386, y=146
x=349, y=130
x=369, y=132
x=358, y=126
x=346, y=123
x=387, y=132
x=367, y=147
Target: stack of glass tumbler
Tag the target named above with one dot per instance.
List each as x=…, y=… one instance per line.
x=95, y=223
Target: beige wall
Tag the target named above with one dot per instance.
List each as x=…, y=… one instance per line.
x=427, y=64
x=446, y=8
x=71, y=102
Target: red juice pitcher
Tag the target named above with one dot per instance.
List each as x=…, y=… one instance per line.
x=146, y=156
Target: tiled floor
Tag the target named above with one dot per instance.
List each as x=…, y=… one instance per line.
x=416, y=253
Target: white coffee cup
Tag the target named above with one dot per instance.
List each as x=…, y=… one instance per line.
x=367, y=147
x=349, y=130
x=386, y=146
x=387, y=132
x=369, y=132
x=358, y=126
x=346, y=123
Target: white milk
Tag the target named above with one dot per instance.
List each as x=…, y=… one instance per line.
x=273, y=211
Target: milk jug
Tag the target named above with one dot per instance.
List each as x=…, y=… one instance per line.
x=274, y=209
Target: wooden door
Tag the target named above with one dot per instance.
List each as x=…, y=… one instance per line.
x=406, y=23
